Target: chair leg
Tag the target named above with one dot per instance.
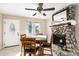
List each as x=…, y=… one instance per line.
x=51, y=52
x=29, y=54
x=21, y=50
x=24, y=54
x=34, y=54
x=41, y=51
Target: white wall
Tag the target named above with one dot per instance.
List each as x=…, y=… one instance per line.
x=49, y=32
x=0, y=31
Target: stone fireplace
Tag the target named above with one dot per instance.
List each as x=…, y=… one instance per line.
x=64, y=41
x=63, y=32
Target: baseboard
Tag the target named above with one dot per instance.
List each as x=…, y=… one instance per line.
x=11, y=46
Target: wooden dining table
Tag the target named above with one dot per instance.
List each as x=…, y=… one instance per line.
x=39, y=40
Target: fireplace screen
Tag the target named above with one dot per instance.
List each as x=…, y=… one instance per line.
x=59, y=40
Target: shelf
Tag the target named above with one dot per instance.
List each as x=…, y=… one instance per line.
x=72, y=22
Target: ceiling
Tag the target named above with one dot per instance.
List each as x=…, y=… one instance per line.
x=18, y=9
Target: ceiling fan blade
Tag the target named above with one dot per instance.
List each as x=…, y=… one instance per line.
x=44, y=14
x=48, y=9
x=34, y=14
x=30, y=9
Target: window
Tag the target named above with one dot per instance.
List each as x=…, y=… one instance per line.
x=30, y=27
x=34, y=28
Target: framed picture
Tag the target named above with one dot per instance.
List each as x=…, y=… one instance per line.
x=67, y=13
x=60, y=16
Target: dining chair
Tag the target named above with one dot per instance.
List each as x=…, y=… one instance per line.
x=47, y=45
x=22, y=36
x=30, y=46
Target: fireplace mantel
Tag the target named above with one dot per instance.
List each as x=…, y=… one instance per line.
x=72, y=22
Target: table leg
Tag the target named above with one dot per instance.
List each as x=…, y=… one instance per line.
x=40, y=52
x=29, y=54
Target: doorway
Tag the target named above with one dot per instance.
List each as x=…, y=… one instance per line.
x=11, y=30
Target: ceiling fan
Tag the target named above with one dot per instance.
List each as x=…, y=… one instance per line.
x=39, y=9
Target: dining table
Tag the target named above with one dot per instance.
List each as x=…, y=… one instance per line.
x=39, y=39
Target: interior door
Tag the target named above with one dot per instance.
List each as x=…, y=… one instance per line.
x=11, y=29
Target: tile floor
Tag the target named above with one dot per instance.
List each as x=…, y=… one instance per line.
x=15, y=51
x=10, y=51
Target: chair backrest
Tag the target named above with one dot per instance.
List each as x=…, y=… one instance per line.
x=23, y=36
x=29, y=43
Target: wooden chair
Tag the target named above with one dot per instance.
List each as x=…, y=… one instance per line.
x=47, y=45
x=22, y=36
x=30, y=46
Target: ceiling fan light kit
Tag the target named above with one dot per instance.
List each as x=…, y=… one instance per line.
x=44, y=14
x=34, y=14
x=40, y=8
